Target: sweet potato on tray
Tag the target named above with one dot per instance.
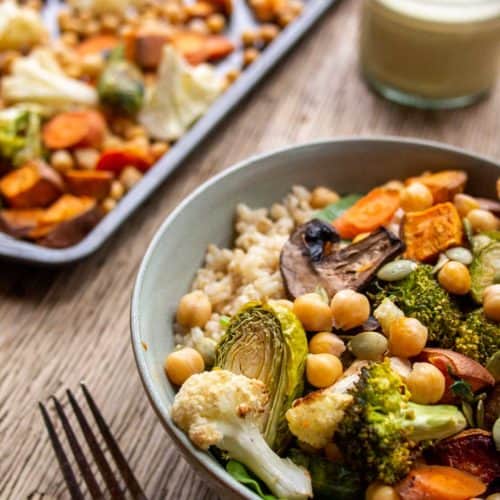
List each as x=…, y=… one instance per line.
x=430, y=232
x=460, y=366
x=93, y=183
x=75, y=128
x=198, y=47
x=115, y=160
x=472, y=451
x=443, y=185
x=67, y=221
x=19, y=223
x=144, y=46
x=34, y=185
x=436, y=482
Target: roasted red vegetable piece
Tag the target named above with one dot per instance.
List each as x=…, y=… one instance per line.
x=460, y=366
x=472, y=451
x=115, y=160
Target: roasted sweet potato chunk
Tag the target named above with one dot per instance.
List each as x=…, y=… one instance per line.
x=472, y=451
x=198, y=47
x=34, y=185
x=443, y=185
x=430, y=232
x=67, y=221
x=19, y=223
x=145, y=46
x=460, y=366
x=93, y=183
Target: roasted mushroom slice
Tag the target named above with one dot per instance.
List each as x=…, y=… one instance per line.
x=472, y=451
x=333, y=268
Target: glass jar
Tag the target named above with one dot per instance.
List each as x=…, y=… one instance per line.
x=431, y=53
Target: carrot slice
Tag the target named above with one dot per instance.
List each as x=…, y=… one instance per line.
x=369, y=213
x=115, y=160
x=74, y=128
x=437, y=482
x=96, y=44
x=197, y=47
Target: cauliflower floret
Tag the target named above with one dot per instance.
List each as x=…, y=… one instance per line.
x=313, y=419
x=223, y=409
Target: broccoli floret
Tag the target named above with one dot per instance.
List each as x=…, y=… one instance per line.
x=420, y=296
x=381, y=429
x=478, y=337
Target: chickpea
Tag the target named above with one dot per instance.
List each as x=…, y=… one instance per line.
x=194, y=309
x=232, y=75
x=394, y=185
x=323, y=370
x=268, y=32
x=180, y=365
x=455, y=278
x=69, y=38
x=482, y=220
x=464, y=204
x=249, y=56
x=108, y=204
x=199, y=26
x=86, y=158
x=326, y=342
x=216, y=23
x=426, y=384
x=134, y=131
x=495, y=496
x=73, y=70
x=117, y=190
x=130, y=176
x=61, y=160
x=407, y=337
x=313, y=313
x=249, y=37
x=158, y=149
x=349, y=309
x=379, y=491
x=110, y=22
x=416, y=197
x=322, y=197
x=92, y=64
x=491, y=302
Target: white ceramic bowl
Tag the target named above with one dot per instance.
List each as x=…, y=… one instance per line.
x=207, y=215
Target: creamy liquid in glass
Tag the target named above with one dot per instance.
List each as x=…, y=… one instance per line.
x=431, y=53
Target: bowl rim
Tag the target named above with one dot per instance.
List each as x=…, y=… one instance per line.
x=195, y=457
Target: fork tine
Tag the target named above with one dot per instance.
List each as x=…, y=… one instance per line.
x=87, y=474
x=117, y=454
x=102, y=463
x=69, y=477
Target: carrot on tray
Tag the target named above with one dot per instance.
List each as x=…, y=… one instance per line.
x=74, y=128
x=369, y=213
x=115, y=160
x=97, y=44
x=437, y=482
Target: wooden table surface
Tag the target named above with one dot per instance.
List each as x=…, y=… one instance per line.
x=58, y=327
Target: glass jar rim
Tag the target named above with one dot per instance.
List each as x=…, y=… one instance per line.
x=448, y=11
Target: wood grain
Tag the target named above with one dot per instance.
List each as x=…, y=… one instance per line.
x=58, y=327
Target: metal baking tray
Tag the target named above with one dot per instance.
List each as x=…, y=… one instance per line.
x=13, y=249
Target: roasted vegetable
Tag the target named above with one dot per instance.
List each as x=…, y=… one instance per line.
x=240, y=473
x=226, y=410
x=84, y=128
x=20, y=139
x=369, y=213
x=182, y=94
x=93, y=183
x=121, y=86
x=420, y=296
x=485, y=269
x=198, y=47
x=380, y=429
x=335, y=210
x=97, y=44
x=267, y=343
x=330, y=480
x=492, y=406
x=437, y=482
x=443, y=185
x=430, y=232
x=19, y=223
x=34, y=185
x=456, y=366
x=38, y=78
x=472, y=451
x=67, y=221
x=115, y=160
x=144, y=45
x=336, y=269
x=478, y=337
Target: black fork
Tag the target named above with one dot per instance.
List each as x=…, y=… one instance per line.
x=111, y=482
